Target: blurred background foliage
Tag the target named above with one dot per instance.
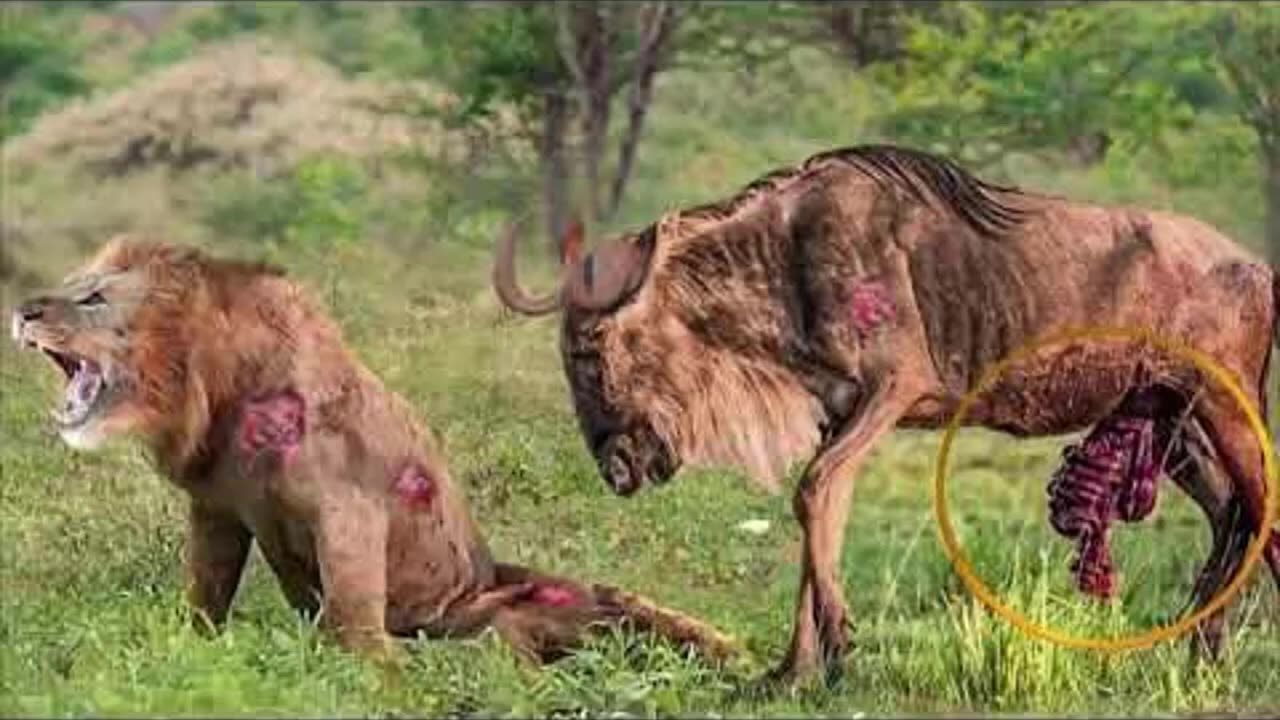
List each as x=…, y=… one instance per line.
x=478, y=110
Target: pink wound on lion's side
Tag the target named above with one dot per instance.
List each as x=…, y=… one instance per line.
x=555, y=595
x=275, y=422
x=872, y=306
x=415, y=487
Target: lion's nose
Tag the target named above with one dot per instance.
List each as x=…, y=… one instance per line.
x=31, y=310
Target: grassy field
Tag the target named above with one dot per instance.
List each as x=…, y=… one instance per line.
x=91, y=618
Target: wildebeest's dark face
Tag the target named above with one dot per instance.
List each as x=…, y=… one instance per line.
x=612, y=393
x=654, y=386
x=615, y=405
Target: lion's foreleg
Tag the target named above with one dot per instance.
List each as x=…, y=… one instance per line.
x=218, y=545
x=351, y=537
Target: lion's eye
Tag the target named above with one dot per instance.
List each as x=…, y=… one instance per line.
x=93, y=298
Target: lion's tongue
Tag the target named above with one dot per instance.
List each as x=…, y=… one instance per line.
x=81, y=391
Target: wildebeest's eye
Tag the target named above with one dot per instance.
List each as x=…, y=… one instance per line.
x=93, y=298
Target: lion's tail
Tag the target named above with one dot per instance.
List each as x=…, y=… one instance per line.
x=646, y=615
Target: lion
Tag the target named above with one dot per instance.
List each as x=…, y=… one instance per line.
x=250, y=402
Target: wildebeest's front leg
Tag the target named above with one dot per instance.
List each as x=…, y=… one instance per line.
x=351, y=540
x=819, y=638
x=218, y=545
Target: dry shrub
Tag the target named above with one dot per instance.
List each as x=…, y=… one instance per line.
x=243, y=104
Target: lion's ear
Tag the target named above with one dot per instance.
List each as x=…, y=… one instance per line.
x=116, y=243
x=114, y=251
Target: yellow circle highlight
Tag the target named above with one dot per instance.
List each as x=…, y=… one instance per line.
x=1252, y=555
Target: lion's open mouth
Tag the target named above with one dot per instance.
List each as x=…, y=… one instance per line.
x=85, y=390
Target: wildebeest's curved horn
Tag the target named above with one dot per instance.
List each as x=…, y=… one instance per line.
x=509, y=291
x=608, y=274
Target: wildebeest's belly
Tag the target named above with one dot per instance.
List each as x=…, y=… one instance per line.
x=1069, y=386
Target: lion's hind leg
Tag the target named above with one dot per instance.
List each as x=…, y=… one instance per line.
x=548, y=617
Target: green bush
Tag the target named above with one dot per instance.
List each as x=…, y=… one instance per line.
x=39, y=68
x=319, y=205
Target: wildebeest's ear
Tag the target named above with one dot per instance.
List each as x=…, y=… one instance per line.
x=572, y=242
x=611, y=273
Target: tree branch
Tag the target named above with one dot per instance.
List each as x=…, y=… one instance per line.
x=656, y=34
x=567, y=43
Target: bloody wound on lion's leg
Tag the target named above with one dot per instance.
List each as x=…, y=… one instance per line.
x=274, y=422
x=415, y=487
x=544, y=589
x=555, y=595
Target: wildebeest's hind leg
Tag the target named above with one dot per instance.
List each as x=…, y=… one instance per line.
x=1236, y=448
x=1194, y=469
x=821, y=504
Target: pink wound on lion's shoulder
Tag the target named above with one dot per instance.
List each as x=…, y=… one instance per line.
x=415, y=487
x=275, y=422
x=871, y=304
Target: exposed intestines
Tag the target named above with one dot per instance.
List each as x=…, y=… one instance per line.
x=1110, y=475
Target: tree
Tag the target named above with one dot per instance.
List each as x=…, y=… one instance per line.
x=562, y=67
x=1247, y=51
x=979, y=82
x=39, y=67
x=607, y=47
x=866, y=32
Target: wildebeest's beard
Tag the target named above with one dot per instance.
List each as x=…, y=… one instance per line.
x=629, y=452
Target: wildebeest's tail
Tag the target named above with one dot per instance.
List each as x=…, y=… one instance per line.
x=1275, y=305
x=1267, y=370
x=551, y=616
x=1273, y=547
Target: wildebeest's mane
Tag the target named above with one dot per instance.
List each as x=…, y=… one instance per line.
x=920, y=174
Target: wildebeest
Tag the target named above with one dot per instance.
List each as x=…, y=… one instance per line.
x=868, y=288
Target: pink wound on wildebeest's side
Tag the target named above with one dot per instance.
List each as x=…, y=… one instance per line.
x=274, y=423
x=872, y=306
x=415, y=487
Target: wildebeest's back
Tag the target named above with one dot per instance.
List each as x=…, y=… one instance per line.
x=1076, y=266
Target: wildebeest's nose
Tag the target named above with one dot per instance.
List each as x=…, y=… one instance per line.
x=616, y=467
x=623, y=481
